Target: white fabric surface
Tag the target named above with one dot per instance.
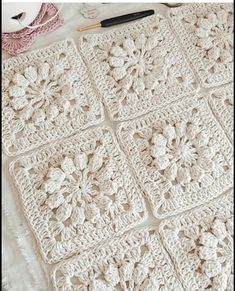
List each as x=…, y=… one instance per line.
x=17, y=273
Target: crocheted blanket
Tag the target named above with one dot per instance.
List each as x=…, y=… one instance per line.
x=87, y=190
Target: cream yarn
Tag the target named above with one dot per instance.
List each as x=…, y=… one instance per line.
x=137, y=68
x=221, y=101
x=180, y=155
x=206, y=34
x=135, y=261
x=84, y=189
x=77, y=193
x=47, y=94
x=201, y=245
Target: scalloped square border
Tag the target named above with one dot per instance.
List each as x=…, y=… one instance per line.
x=152, y=190
x=43, y=137
x=37, y=223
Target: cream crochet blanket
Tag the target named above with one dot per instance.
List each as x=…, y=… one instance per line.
x=85, y=194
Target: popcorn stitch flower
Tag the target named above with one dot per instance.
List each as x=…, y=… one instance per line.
x=211, y=250
x=139, y=64
x=92, y=187
x=215, y=32
x=44, y=93
x=182, y=152
x=136, y=270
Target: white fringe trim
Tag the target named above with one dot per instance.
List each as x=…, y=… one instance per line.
x=24, y=238
x=5, y=283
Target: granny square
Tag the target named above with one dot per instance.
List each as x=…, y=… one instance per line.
x=180, y=154
x=47, y=94
x=77, y=193
x=206, y=35
x=135, y=261
x=138, y=67
x=201, y=245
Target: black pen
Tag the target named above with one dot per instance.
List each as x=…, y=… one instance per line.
x=118, y=20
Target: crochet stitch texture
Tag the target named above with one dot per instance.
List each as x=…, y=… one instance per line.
x=180, y=155
x=77, y=193
x=137, y=67
x=201, y=245
x=170, y=154
x=47, y=95
x=136, y=261
x=221, y=102
x=20, y=41
x=206, y=34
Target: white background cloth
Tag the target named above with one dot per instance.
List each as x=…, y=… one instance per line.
x=15, y=268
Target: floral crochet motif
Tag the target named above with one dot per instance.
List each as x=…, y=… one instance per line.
x=206, y=33
x=46, y=95
x=136, y=261
x=204, y=239
x=221, y=101
x=77, y=193
x=138, y=68
x=177, y=153
x=80, y=217
x=185, y=153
